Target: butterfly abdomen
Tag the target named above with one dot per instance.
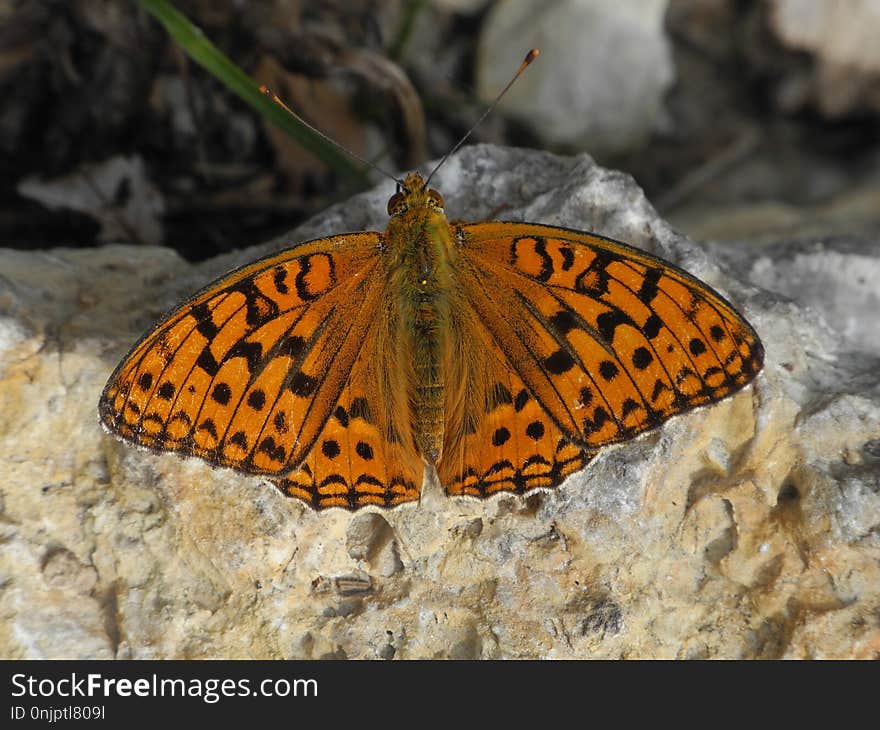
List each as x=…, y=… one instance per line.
x=423, y=280
x=428, y=390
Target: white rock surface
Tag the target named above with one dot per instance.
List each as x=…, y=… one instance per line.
x=841, y=40
x=748, y=529
x=843, y=34
x=599, y=82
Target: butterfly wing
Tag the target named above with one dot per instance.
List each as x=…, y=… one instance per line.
x=608, y=341
x=365, y=454
x=249, y=372
x=514, y=446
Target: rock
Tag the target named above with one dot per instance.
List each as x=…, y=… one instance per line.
x=841, y=41
x=371, y=538
x=600, y=79
x=747, y=529
x=117, y=193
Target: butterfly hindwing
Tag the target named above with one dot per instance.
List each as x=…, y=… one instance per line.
x=360, y=457
x=514, y=446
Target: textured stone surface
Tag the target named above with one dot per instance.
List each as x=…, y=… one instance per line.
x=601, y=77
x=748, y=529
x=841, y=41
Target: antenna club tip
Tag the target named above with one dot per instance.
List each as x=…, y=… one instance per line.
x=532, y=55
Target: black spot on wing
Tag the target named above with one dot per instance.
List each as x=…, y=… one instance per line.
x=257, y=400
x=341, y=415
x=181, y=416
x=279, y=277
x=659, y=387
x=500, y=437
x=259, y=309
x=252, y=352
x=567, y=257
x=641, y=358
x=608, y=370
x=563, y=322
x=221, y=393
x=301, y=384
x=648, y=290
x=594, y=279
x=546, y=262
x=600, y=416
x=208, y=426
x=275, y=452
x=559, y=362
x=535, y=430
x=204, y=321
x=629, y=405
x=207, y=362
x=586, y=397
x=697, y=347
x=652, y=326
x=607, y=322
x=292, y=346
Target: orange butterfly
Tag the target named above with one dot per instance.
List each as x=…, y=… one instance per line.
x=504, y=355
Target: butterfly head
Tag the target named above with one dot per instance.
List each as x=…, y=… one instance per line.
x=412, y=193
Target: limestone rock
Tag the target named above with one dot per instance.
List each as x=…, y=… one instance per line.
x=599, y=82
x=841, y=41
x=747, y=529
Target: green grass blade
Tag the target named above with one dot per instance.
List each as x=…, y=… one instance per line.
x=404, y=32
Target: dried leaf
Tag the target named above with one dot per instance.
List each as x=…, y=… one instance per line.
x=321, y=105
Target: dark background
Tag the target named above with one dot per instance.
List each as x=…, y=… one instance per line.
x=99, y=103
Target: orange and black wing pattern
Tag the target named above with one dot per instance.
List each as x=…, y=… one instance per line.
x=515, y=446
x=364, y=454
x=257, y=370
x=597, y=342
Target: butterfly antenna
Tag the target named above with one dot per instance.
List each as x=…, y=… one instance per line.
x=274, y=97
x=530, y=56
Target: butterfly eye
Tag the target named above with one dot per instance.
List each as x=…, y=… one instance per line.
x=436, y=198
x=394, y=203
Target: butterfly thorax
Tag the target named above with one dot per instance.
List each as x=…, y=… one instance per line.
x=420, y=247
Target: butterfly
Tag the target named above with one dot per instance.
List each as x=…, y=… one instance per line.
x=501, y=355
